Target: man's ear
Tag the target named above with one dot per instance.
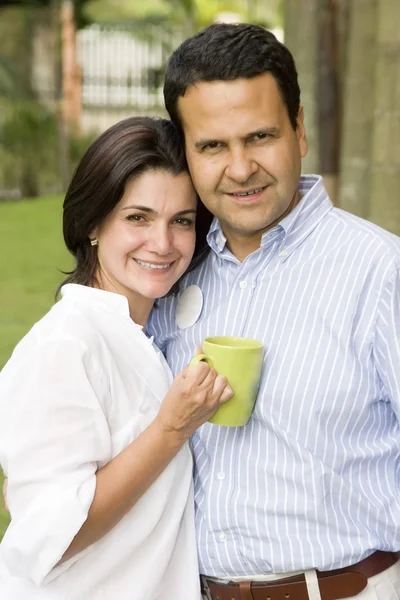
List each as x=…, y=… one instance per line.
x=301, y=133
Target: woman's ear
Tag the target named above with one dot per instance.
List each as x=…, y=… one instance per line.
x=93, y=237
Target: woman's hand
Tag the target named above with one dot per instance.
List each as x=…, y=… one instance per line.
x=194, y=396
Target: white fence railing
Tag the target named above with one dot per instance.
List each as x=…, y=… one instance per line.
x=122, y=68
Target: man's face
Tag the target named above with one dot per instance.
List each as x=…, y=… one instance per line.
x=243, y=154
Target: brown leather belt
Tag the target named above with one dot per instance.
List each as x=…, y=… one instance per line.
x=333, y=585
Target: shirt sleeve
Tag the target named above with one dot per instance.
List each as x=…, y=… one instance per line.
x=54, y=434
x=387, y=340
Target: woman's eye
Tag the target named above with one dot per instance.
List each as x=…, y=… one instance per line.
x=135, y=218
x=184, y=222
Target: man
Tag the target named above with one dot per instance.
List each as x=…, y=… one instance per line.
x=303, y=501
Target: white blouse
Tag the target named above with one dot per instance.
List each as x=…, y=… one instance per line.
x=81, y=385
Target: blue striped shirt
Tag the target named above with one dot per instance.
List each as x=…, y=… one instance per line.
x=313, y=480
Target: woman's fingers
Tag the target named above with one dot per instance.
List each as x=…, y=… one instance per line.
x=216, y=385
x=198, y=373
x=194, y=396
x=222, y=390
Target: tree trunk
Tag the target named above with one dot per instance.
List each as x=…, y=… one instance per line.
x=357, y=121
x=384, y=205
x=301, y=23
x=342, y=9
x=16, y=29
x=29, y=181
x=328, y=98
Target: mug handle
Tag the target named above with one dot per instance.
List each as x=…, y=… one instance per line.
x=201, y=358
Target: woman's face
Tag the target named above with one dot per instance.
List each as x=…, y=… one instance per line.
x=146, y=243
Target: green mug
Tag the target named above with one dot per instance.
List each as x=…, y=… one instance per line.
x=240, y=360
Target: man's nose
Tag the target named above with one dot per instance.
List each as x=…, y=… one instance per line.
x=241, y=165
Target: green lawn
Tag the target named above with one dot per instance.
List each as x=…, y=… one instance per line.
x=32, y=256
x=3, y=513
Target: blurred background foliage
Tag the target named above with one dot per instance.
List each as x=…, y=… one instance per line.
x=31, y=121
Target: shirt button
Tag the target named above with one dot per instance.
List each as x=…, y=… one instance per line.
x=223, y=537
x=243, y=284
x=283, y=252
x=221, y=475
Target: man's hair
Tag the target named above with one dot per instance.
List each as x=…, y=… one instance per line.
x=225, y=52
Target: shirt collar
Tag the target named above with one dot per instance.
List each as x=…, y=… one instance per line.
x=116, y=303
x=296, y=226
x=216, y=238
x=303, y=219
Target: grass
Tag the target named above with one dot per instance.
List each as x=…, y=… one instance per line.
x=32, y=256
x=3, y=513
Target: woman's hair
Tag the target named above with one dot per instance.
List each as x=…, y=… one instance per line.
x=127, y=149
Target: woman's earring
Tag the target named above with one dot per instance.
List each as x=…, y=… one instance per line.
x=94, y=242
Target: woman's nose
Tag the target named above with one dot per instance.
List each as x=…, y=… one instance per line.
x=160, y=240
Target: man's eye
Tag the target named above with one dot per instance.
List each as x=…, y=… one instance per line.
x=211, y=146
x=261, y=135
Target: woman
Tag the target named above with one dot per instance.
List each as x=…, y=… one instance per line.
x=93, y=431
